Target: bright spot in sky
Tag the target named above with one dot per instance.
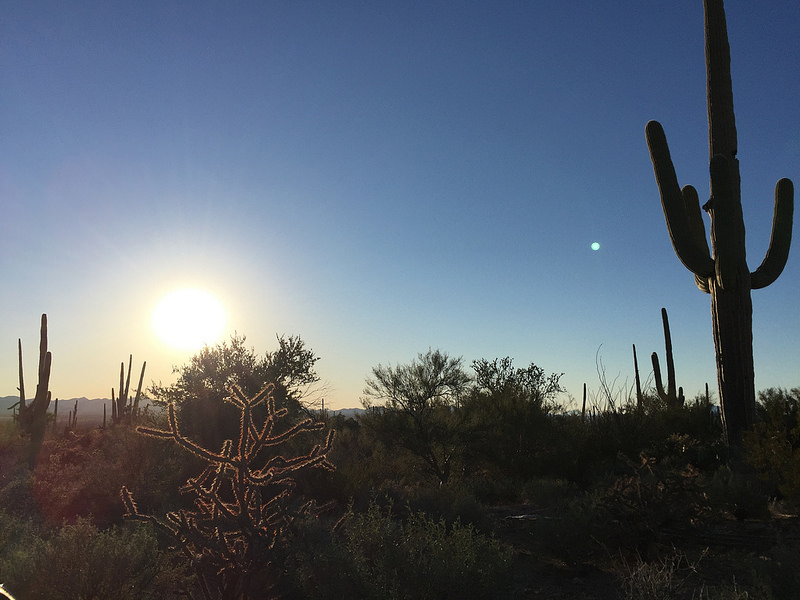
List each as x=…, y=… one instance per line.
x=595, y=246
x=188, y=319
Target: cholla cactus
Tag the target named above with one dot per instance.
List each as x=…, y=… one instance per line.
x=243, y=498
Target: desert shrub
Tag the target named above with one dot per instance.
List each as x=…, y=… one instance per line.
x=492, y=488
x=571, y=534
x=80, y=561
x=9, y=433
x=16, y=479
x=79, y=475
x=773, y=447
x=20, y=548
x=588, y=449
x=547, y=492
x=75, y=477
x=364, y=463
x=738, y=494
x=671, y=577
x=508, y=418
x=415, y=410
x=202, y=385
x=451, y=504
x=626, y=512
x=384, y=557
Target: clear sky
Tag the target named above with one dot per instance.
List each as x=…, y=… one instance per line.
x=379, y=178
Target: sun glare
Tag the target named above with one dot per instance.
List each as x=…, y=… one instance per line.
x=188, y=319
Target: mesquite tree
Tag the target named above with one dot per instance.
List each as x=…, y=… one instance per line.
x=723, y=273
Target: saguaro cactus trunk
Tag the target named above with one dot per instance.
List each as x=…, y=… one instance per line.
x=724, y=273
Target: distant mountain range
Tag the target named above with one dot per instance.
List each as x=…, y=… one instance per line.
x=349, y=413
x=91, y=410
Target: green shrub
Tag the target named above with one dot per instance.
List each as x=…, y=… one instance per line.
x=79, y=561
x=20, y=549
x=738, y=494
x=375, y=555
x=773, y=447
x=79, y=476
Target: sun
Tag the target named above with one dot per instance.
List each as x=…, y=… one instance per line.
x=188, y=319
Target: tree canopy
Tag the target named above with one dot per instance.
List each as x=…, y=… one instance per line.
x=207, y=379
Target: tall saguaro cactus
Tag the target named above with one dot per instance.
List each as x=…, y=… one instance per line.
x=723, y=273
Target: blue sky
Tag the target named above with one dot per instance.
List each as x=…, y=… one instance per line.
x=379, y=178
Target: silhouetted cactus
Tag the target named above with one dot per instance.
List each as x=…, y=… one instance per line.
x=669, y=396
x=243, y=499
x=123, y=408
x=32, y=418
x=72, y=419
x=723, y=273
x=639, y=397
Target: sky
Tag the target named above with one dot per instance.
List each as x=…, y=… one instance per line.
x=379, y=178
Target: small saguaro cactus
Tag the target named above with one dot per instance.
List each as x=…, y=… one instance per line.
x=669, y=396
x=123, y=408
x=723, y=273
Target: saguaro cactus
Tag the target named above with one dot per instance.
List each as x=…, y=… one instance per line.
x=33, y=417
x=123, y=408
x=669, y=396
x=638, y=381
x=724, y=272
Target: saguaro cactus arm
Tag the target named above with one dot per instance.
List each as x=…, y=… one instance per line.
x=691, y=203
x=780, y=240
x=681, y=211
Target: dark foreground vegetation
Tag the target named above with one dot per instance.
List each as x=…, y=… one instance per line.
x=454, y=483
